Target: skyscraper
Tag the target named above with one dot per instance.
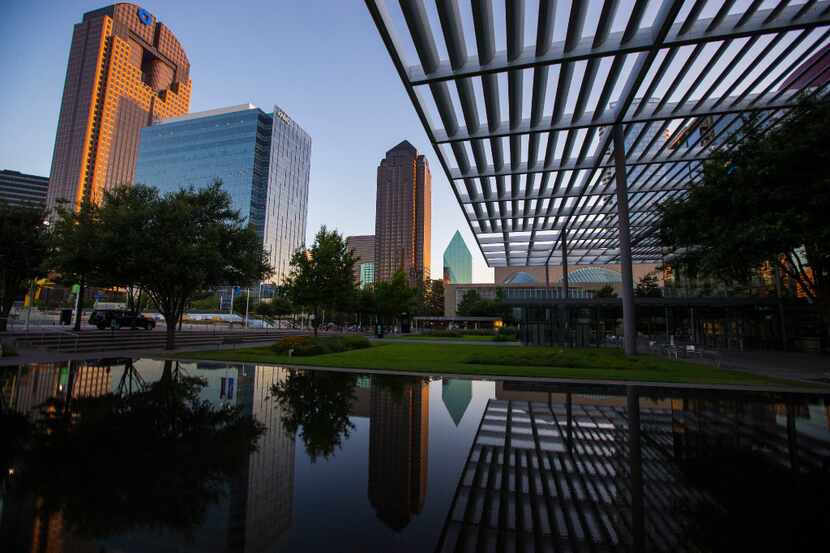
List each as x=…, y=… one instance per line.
x=262, y=160
x=403, y=215
x=458, y=262
x=364, y=251
x=125, y=70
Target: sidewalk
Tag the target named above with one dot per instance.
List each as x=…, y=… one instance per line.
x=779, y=364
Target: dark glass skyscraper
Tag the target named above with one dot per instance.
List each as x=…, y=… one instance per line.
x=263, y=162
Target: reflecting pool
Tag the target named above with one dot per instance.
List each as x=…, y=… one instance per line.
x=135, y=455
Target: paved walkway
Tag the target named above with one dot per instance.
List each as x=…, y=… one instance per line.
x=779, y=364
x=442, y=342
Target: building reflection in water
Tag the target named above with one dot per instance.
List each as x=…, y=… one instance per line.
x=553, y=470
x=250, y=517
x=456, y=393
x=398, y=448
x=261, y=497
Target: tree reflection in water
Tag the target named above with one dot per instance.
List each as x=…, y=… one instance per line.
x=317, y=404
x=155, y=458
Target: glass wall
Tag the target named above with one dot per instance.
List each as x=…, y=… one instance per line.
x=197, y=150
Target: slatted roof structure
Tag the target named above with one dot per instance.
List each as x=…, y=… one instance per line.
x=568, y=142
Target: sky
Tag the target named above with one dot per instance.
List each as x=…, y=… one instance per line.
x=322, y=61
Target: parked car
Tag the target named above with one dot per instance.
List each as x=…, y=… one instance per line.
x=115, y=319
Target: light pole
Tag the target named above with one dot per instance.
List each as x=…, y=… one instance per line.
x=247, y=303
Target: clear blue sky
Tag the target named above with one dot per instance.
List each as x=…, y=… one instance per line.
x=320, y=60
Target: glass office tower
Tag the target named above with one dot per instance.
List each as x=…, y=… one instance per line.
x=458, y=262
x=287, y=203
x=263, y=162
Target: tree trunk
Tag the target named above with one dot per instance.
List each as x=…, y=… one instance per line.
x=4, y=315
x=170, y=320
x=80, y=302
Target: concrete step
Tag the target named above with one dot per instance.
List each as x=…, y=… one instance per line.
x=125, y=340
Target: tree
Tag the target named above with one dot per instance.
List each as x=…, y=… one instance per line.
x=180, y=243
x=470, y=303
x=648, y=286
x=431, y=299
x=321, y=277
x=606, y=291
x=121, y=225
x=24, y=244
x=76, y=247
x=393, y=298
x=279, y=306
x=765, y=199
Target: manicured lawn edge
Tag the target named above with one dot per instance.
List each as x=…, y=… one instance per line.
x=448, y=359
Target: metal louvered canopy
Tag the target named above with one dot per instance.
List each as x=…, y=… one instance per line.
x=522, y=104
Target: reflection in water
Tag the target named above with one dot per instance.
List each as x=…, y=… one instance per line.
x=398, y=448
x=117, y=455
x=317, y=404
x=456, y=394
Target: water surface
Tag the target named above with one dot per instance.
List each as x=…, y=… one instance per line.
x=148, y=455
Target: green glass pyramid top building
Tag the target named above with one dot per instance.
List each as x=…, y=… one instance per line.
x=458, y=262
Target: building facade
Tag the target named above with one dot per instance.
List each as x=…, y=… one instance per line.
x=286, y=207
x=458, y=262
x=125, y=71
x=263, y=162
x=18, y=189
x=403, y=215
x=364, y=252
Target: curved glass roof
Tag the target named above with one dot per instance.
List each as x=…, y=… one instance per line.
x=594, y=275
x=520, y=278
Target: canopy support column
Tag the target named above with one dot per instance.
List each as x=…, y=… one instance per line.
x=629, y=318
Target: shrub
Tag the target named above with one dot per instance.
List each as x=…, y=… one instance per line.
x=507, y=334
x=7, y=349
x=305, y=346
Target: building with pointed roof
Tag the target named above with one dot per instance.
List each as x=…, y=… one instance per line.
x=458, y=262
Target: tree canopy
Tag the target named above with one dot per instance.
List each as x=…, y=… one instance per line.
x=23, y=248
x=321, y=277
x=764, y=199
x=171, y=246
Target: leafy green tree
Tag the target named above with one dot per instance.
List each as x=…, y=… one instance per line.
x=76, y=247
x=321, y=277
x=648, y=286
x=606, y=291
x=279, y=306
x=189, y=240
x=393, y=298
x=207, y=302
x=470, y=303
x=24, y=242
x=765, y=199
x=121, y=225
x=431, y=299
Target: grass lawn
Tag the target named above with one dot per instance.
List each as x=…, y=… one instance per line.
x=598, y=364
x=465, y=337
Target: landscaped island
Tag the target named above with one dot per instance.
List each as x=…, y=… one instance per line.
x=450, y=358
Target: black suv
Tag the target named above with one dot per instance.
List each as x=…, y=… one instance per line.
x=116, y=319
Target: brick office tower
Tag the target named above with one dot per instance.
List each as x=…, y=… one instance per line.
x=403, y=215
x=125, y=70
